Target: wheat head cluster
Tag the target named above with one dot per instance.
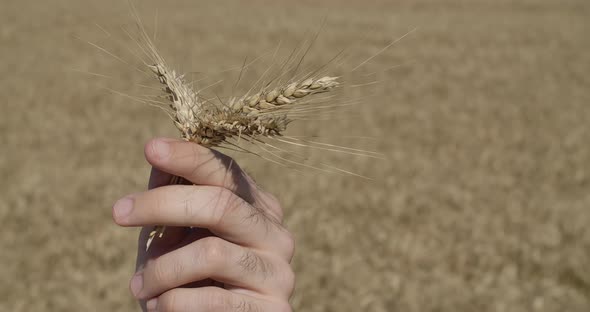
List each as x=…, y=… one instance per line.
x=260, y=115
x=263, y=114
x=251, y=117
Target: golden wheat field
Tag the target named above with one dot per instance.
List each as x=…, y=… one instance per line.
x=482, y=203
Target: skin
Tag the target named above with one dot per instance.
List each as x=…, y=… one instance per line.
x=224, y=249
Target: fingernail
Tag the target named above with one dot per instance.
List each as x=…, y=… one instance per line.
x=152, y=304
x=161, y=148
x=123, y=207
x=136, y=284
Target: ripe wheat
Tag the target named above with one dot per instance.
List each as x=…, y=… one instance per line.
x=263, y=114
x=258, y=117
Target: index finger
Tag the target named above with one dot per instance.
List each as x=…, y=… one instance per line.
x=201, y=166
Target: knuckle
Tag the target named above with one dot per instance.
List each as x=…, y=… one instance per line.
x=214, y=249
x=288, y=244
x=289, y=280
x=252, y=263
x=285, y=277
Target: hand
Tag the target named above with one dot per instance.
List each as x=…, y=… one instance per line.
x=224, y=248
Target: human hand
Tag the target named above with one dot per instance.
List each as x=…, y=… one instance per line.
x=224, y=248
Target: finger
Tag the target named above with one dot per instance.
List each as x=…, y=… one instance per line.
x=204, y=166
x=220, y=260
x=198, y=164
x=263, y=199
x=217, y=209
x=213, y=299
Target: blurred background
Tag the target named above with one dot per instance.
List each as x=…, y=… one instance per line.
x=482, y=203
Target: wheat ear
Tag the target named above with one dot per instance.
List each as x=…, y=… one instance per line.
x=264, y=114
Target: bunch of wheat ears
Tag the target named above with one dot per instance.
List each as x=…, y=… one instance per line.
x=257, y=117
x=265, y=113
